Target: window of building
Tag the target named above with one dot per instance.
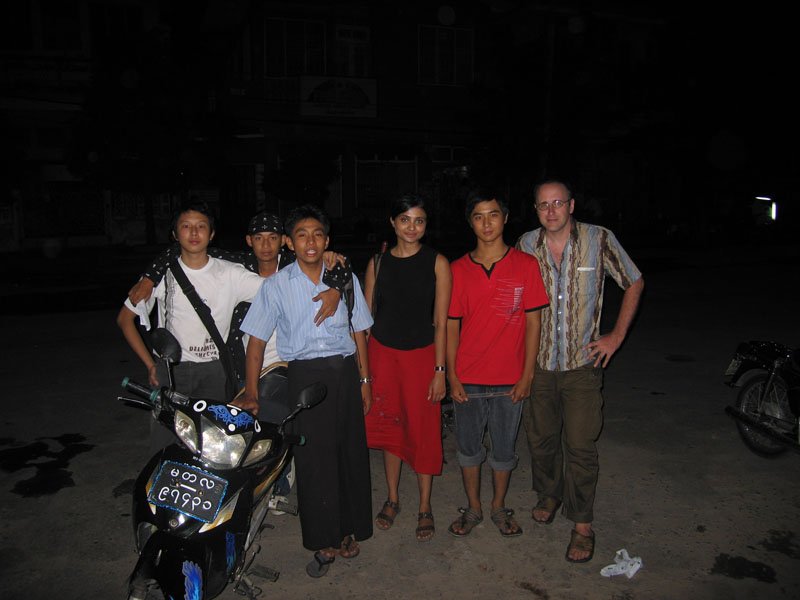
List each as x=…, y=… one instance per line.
x=16, y=32
x=445, y=55
x=61, y=25
x=352, y=53
x=114, y=23
x=294, y=47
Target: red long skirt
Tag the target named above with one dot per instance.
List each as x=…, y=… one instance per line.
x=402, y=420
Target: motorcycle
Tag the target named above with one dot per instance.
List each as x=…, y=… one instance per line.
x=767, y=407
x=199, y=504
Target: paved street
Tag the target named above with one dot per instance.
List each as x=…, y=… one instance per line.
x=677, y=487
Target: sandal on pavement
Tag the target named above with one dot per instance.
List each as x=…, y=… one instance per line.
x=549, y=505
x=466, y=522
x=320, y=565
x=383, y=519
x=425, y=532
x=582, y=543
x=506, y=524
x=349, y=548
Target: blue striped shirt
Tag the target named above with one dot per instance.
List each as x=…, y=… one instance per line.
x=284, y=303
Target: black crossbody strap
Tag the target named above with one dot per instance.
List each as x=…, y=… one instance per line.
x=376, y=264
x=204, y=312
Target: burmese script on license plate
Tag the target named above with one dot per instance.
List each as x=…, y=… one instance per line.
x=187, y=489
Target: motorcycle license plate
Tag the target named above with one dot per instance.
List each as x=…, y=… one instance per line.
x=189, y=490
x=732, y=368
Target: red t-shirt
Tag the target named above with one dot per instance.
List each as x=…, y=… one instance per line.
x=491, y=306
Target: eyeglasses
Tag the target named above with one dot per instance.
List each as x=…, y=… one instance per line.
x=555, y=205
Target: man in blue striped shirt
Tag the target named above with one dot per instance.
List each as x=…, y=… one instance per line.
x=333, y=479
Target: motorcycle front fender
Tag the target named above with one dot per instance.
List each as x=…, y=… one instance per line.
x=191, y=569
x=753, y=356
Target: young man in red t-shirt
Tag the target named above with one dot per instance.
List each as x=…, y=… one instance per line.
x=492, y=343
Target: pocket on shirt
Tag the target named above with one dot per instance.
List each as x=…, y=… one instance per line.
x=587, y=280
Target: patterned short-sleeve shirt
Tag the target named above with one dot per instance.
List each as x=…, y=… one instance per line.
x=575, y=288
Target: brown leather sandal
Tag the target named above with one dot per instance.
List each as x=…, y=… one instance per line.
x=384, y=520
x=349, y=547
x=549, y=505
x=425, y=532
x=583, y=543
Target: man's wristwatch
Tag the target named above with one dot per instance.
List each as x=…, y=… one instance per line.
x=440, y=368
x=365, y=380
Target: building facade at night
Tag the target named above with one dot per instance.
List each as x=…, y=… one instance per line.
x=113, y=111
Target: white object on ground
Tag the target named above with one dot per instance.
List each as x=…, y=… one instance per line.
x=623, y=564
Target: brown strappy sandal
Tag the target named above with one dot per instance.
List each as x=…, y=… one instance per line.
x=384, y=520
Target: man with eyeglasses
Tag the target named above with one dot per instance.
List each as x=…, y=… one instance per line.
x=563, y=416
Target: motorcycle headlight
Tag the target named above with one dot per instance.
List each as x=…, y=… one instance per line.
x=257, y=452
x=185, y=430
x=220, y=450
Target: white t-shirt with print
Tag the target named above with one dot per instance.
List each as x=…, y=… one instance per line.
x=220, y=284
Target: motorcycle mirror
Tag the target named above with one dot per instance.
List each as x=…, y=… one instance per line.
x=311, y=395
x=165, y=344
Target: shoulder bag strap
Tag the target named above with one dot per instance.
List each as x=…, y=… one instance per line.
x=204, y=312
x=376, y=264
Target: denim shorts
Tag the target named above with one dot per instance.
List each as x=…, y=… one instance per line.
x=487, y=407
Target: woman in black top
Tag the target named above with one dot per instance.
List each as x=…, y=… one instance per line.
x=408, y=292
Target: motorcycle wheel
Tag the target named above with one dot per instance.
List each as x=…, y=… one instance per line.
x=747, y=402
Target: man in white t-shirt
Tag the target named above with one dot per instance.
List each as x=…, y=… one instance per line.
x=220, y=284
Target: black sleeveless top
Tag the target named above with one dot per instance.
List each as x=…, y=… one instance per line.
x=404, y=297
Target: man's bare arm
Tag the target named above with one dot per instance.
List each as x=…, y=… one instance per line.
x=126, y=322
x=604, y=348
x=533, y=324
x=253, y=361
x=457, y=392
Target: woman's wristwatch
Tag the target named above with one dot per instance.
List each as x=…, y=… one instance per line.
x=440, y=368
x=365, y=380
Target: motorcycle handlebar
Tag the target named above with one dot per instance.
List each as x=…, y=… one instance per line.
x=140, y=390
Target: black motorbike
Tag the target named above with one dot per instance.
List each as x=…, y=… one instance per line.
x=767, y=408
x=199, y=504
